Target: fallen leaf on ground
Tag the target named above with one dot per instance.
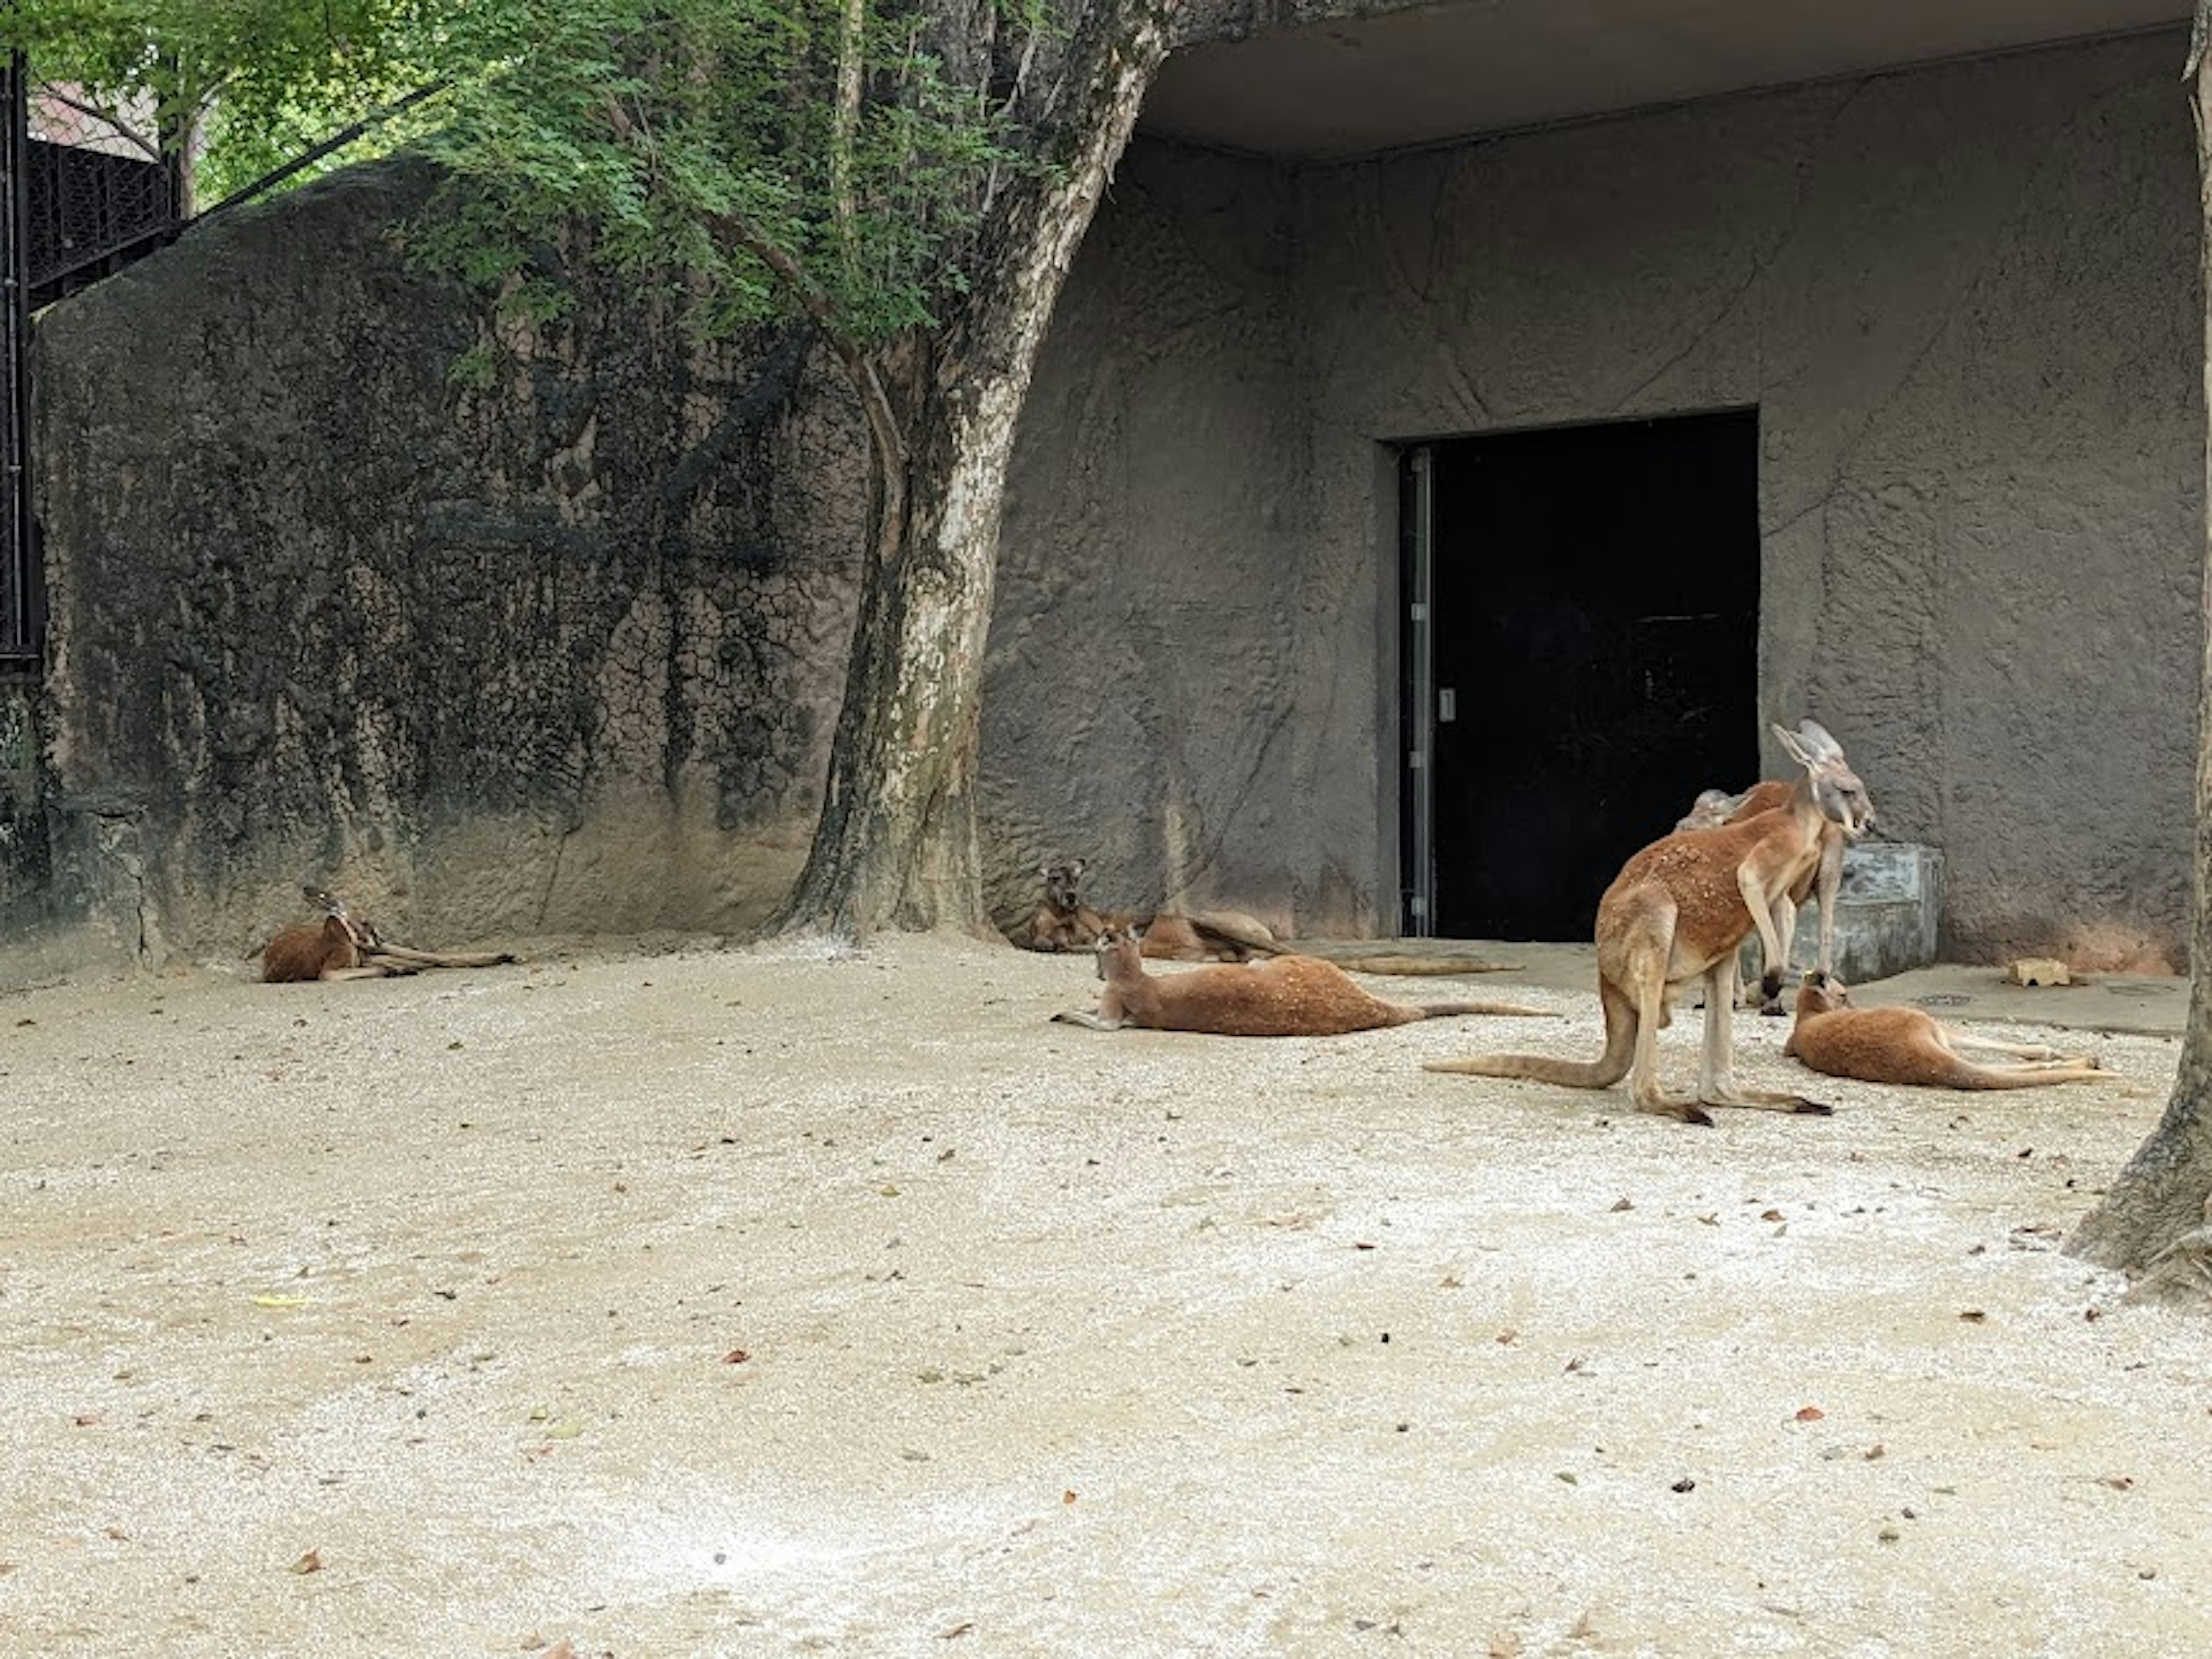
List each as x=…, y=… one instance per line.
x=311, y=1562
x=268, y=1301
x=736, y=1357
x=1810, y=1413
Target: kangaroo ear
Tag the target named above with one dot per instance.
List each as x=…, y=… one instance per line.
x=1792, y=747
x=1817, y=740
x=1076, y=867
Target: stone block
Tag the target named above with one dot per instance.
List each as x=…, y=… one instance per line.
x=1889, y=907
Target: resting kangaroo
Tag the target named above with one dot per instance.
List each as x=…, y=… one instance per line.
x=1714, y=810
x=1903, y=1045
x=1064, y=922
x=1676, y=912
x=343, y=946
x=1284, y=996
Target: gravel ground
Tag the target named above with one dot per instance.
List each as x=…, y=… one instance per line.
x=779, y=1300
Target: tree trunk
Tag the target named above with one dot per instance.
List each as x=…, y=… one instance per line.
x=896, y=845
x=2153, y=1220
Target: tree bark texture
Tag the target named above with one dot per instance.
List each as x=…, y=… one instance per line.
x=2153, y=1220
x=896, y=845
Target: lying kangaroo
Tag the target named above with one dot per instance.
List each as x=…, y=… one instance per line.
x=1284, y=996
x=1905, y=1046
x=1714, y=809
x=1063, y=922
x=1676, y=912
x=343, y=946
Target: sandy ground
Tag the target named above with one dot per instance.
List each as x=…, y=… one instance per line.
x=767, y=1301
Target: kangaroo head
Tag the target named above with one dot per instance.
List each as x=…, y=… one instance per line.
x=1063, y=883
x=362, y=933
x=1822, y=994
x=1710, y=810
x=1837, y=792
x=1121, y=943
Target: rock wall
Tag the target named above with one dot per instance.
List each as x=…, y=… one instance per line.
x=501, y=629
x=544, y=632
x=1965, y=302
x=1149, y=662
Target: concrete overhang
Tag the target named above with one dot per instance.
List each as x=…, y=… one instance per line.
x=1338, y=88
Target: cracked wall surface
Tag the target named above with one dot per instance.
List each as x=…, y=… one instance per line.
x=551, y=647
x=1965, y=302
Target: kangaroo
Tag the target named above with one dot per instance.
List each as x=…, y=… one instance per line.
x=1714, y=809
x=344, y=947
x=1283, y=996
x=1063, y=922
x=1675, y=913
x=1205, y=935
x=1907, y=1045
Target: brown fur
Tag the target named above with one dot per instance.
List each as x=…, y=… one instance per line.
x=314, y=950
x=1286, y=996
x=1908, y=1047
x=1676, y=914
x=343, y=946
x=1063, y=922
x=1205, y=935
x=1712, y=810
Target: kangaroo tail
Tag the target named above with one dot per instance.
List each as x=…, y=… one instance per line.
x=1537, y=1068
x=1607, y=1069
x=1389, y=964
x=1449, y=1010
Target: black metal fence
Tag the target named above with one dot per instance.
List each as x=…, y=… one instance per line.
x=80, y=197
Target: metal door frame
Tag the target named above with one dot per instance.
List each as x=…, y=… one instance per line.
x=1417, y=534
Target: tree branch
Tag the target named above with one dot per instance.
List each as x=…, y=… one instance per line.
x=844, y=127
x=111, y=119
x=883, y=429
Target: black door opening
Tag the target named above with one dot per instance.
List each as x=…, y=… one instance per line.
x=1591, y=658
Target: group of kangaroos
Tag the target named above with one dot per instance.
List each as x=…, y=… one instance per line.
x=1674, y=919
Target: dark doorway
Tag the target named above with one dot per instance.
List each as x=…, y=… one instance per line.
x=1592, y=659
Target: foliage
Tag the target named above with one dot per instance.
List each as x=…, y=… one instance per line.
x=231, y=86
x=707, y=141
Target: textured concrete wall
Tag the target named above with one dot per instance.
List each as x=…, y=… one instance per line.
x=553, y=647
x=1965, y=301
x=559, y=649
x=1151, y=673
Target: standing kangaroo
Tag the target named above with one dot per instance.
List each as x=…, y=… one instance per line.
x=1713, y=810
x=1675, y=913
x=343, y=947
x=1905, y=1046
x=1283, y=996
